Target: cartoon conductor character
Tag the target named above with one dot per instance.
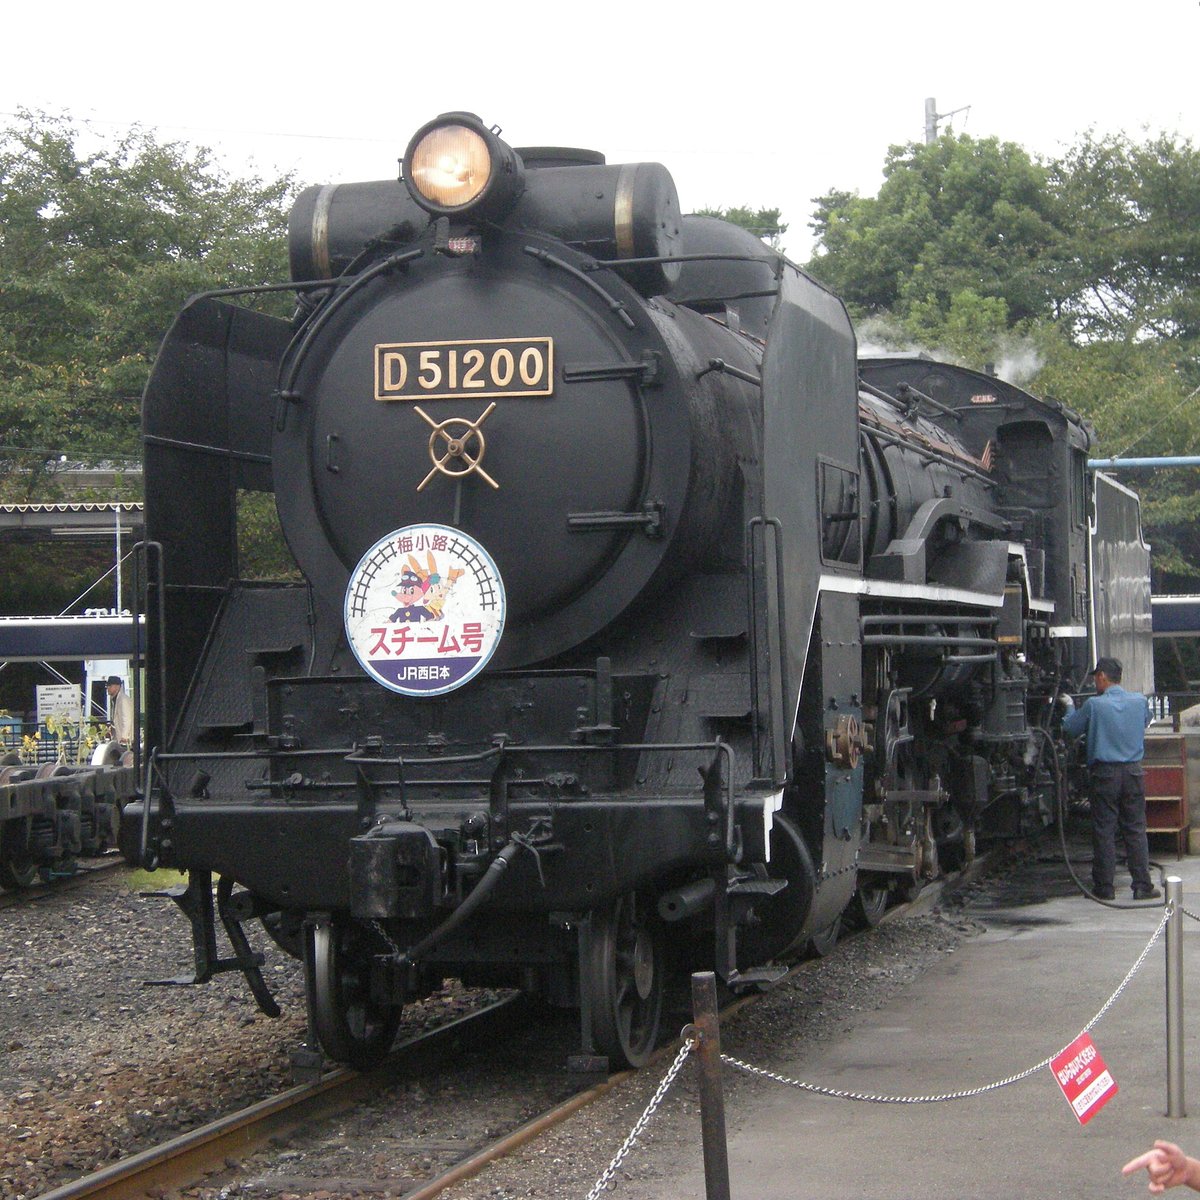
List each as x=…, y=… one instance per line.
x=410, y=590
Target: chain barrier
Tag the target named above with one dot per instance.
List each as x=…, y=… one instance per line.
x=839, y=1094
x=601, y=1184
x=1189, y=913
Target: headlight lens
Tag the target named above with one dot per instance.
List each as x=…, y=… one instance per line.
x=450, y=166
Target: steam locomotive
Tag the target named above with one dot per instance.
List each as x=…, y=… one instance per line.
x=633, y=630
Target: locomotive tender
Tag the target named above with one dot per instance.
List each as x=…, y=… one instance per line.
x=633, y=633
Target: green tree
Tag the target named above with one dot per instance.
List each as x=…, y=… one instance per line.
x=958, y=223
x=98, y=251
x=762, y=222
x=1133, y=211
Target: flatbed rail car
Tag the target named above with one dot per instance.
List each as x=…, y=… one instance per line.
x=51, y=812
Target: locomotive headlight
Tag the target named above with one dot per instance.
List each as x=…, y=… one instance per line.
x=450, y=166
x=456, y=165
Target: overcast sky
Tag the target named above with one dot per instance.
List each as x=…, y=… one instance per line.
x=769, y=111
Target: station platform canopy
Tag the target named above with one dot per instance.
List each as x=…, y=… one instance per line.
x=47, y=639
x=97, y=521
x=97, y=633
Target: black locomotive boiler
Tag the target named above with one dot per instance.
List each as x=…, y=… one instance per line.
x=630, y=634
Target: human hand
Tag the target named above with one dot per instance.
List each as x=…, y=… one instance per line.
x=1166, y=1165
x=1066, y=701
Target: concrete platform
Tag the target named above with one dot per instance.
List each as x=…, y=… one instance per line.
x=1003, y=1001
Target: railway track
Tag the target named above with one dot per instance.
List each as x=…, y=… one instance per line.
x=182, y=1160
x=60, y=883
x=193, y=1156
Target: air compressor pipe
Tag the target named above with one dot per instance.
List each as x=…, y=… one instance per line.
x=479, y=893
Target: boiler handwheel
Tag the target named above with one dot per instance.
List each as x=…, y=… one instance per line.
x=456, y=460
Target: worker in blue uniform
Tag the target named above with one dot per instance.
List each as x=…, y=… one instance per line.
x=1115, y=721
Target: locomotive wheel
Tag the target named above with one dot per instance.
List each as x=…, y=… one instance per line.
x=625, y=975
x=350, y=1025
x=17, y=873
x=17, y=868
x=869, y=902
x=107, y=754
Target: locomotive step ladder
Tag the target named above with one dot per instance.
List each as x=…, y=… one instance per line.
x=1165, y=767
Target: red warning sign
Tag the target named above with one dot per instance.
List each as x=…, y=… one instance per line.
x=1085, y=1080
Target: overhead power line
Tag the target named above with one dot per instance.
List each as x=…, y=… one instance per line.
x=211, y=129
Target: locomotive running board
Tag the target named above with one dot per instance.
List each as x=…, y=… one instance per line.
x=196, y=901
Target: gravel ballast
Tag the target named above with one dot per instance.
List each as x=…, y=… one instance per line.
x=95, y=1066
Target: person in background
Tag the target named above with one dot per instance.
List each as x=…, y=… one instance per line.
x=120, y=711
x=1167, y=1167
x=1115, y=721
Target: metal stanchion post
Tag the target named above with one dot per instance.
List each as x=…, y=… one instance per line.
x=1175, y=1104
x=712, y=1097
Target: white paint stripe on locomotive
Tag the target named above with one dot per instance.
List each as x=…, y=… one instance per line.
x=851, y=585
x=1113, y=481
x=771, y=805
x=1068, y=631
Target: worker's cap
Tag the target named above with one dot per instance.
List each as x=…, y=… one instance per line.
x=1111, y=667
x=116, y=679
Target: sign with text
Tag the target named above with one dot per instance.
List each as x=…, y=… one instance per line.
x=1084, y=1079
x=58, y=700
x=451, y=370
x=424, y=610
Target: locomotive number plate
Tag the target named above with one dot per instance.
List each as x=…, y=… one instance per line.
x=448, y=370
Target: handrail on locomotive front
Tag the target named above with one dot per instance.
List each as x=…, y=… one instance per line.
x=353, y=756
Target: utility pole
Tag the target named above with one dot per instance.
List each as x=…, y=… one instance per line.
x=932, y=117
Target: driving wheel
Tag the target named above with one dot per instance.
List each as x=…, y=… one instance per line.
x=350, y=1025
x=869, y=902
x=624, y=978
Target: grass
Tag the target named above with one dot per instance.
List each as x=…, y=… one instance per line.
x=153, y=881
